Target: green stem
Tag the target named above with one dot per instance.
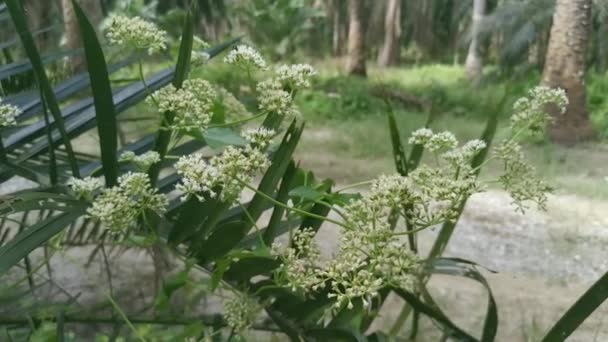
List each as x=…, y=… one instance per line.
x=125, y=318
x=3, y=154
x=355, y=185
x=238, y=122
x=296, y=210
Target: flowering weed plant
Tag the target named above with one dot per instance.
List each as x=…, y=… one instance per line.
x=199, y=186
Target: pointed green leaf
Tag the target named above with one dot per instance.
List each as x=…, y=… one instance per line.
x=33, y=237
x=398, y=150
x=578, y=313
x=102, y=96
x=20, y=22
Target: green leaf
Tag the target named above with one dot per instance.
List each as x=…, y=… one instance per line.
x=244, y=264
x=190, y=216
x=577, y=313
x=33, y=237
x=20, y=22
x=222, y=240
x=173, y=284
x=102, y=96
x=335, y=334
x=398, y=150
x=274, y=224
x=306, y=192
x=449, y=328
x=467, y=269
x=218, y=138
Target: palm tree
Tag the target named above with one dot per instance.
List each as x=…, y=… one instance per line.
x=392, y=33
x=565, y=66
x=474, y=62
x=356, y=38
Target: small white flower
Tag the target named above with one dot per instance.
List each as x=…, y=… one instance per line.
x=119, y=207
x=519, y=177
x=531, y=111
x=137, y=33
x=295, y=75
x=460, y=156
x=8, y=114
x=260, y=137
x=199, y=58
x=245, y=57
x=143, y=161
x=85, y=187
x=201, y=177
x=273, y=99
x=240, y=312
x=420, y=136
x=441, y=141
x=233, y=108
x=192, y=104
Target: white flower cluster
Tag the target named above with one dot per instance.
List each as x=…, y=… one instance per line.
x=531, y=112
x=274, y=99
x=259, y=137
x=192, y=104
x=295, y=76
x=299, y=262
x=198, y=57
x=137, y=33
x=439, y=191
x=245, y=57
x=142, y=161
x=8, y=114
x=370, y=256
x=85, y=187
x=240, y=312
x=434, y=142
x=223, y=174
x=119, y=207
x=519, y=177
x=464, y=154
x=233, y=108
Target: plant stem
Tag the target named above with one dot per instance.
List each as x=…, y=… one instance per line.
x=238, y=122
x=296, y=210
x=125, y=318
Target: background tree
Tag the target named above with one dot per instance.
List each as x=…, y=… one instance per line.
x=474, y=62
x=356, y=38
x=72, y=34
x=40, y=16
x=392, y=34
x=565, y=66
x=335, y=14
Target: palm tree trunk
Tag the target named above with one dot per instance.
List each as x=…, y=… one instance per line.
x=93, y=10
x=356, y=39
x=565, y=68
x=474, y=63
x=392, y=33
x=40, y=17
x=335, y=14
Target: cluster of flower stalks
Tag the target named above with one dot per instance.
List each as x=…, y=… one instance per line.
x=373, y=251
